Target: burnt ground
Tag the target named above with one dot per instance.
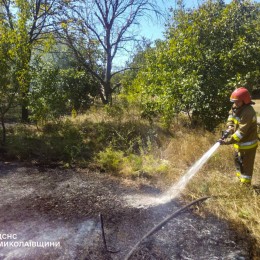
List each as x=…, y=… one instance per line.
x=54, y=214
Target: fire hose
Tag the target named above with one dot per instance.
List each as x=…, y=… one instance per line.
x=183, y=180
x=152, y=231
x=161, y=224
x=104, y=237
x=225, y=134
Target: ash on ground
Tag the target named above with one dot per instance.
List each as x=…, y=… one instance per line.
x=54, y=214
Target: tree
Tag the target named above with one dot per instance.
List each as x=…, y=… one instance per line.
x=209, y=50
x=59, y=86
x=30, y=21
x=97, y=30
x=8, y=84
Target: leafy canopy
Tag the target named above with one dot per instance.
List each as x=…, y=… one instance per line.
x=208, y=52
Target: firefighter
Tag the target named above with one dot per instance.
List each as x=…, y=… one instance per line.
x=242, y=133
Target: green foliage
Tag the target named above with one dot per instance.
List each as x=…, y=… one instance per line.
x=153, y=166
x=110, y=159
x=46, y=100
x=208, y=52
x=115, y=112
x=72, y=141
x=123, y=136
x=58, y=91
x=26, y=24
x=80, y=88
x=145, y=165
x=9, y=87
x=60, y=141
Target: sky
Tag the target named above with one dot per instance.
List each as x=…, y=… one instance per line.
x=153, y=29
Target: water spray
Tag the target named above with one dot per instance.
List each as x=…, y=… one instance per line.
x=170, y=194
x=177, y=188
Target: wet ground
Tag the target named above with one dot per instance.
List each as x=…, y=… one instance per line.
x=54, y=214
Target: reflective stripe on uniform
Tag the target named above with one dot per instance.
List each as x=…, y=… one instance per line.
x=237, y=136
x=234, y=119
x=245, y=181
x=246, y=145
x=245, y=178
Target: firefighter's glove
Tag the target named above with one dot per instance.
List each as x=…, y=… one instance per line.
x=225, y=134
x=223, y=141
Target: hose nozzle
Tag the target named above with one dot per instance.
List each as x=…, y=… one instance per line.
x=225, y=134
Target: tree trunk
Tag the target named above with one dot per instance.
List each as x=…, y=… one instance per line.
x=4, y=131
x=108, y=89
x=25, y=114
x=25, y=111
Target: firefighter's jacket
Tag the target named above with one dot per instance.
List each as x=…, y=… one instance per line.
x=242, y=123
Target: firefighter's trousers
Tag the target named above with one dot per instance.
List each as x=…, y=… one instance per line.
x=244, y=162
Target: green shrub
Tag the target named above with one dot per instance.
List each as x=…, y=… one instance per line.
x=110, y=159
x=153, y=165
x=59, y=141
x=131, y=165
x=116, y=112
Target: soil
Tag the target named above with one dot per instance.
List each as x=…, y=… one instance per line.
x=54, y=213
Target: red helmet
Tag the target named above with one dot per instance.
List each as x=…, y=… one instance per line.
x=241, y=94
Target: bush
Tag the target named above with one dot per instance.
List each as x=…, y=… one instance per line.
x=132, y=165
x=110, y=160
x=59, y=141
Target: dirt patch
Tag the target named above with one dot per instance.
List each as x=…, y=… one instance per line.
x=54, y=214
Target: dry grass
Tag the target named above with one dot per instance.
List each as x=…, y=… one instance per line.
x=232, y=201
x=98, y=114
x=257, y=106
x=235, y=203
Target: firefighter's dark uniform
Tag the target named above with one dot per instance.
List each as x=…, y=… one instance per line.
x=242, y=123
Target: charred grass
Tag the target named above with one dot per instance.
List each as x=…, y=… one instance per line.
x=130, y=147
